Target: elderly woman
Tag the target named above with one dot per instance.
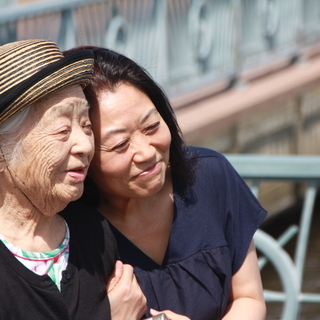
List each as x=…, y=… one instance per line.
x=181, y=215
x=52, y=266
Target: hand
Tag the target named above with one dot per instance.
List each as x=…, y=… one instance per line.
x=125, y=296
x=170, y=315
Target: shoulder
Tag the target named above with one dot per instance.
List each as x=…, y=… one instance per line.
x=93, y=253
x=204, y=154
x=209, y=160
x=201, y=152
x=90, y=234
x=77, y=212
x=214, y=172
x=84, y=220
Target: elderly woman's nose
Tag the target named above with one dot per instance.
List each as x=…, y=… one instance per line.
x=82, y=142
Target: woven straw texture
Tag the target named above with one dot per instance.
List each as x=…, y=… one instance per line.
x=32, y=69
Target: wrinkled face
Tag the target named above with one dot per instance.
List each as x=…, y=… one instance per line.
x=56, y=152
x=132, y=144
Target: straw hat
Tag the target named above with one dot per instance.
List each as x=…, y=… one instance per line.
x=31, y=69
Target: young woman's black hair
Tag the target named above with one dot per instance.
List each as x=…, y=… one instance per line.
x=112, y=69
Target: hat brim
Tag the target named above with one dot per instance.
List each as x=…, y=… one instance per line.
x=76, y=68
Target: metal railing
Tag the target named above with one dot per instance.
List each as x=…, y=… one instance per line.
x=257, y=169
x=184, y=44
x=5, y=3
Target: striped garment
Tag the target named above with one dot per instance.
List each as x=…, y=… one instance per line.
x=51, y=263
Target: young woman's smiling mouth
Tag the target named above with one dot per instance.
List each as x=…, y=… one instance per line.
x=150, y=171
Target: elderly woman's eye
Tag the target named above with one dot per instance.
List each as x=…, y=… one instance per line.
x=64, y=131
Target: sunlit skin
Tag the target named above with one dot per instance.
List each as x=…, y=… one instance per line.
x=132, y=144
x=130, y=168
x=56, y=154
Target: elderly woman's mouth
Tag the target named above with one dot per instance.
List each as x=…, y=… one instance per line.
x=78, y=174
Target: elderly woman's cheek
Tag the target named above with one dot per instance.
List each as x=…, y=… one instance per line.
x=41, y=172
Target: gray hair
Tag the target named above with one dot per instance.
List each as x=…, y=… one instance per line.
x=11, y=134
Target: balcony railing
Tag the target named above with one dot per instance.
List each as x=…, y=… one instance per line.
x=184, y=44
x=258, y=169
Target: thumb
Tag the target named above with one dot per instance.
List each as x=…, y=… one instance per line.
x=154, y=312
x=116, y=275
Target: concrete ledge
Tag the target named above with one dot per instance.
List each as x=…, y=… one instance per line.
x=225, y=109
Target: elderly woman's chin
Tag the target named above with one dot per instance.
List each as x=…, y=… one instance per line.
x=63, y=193
x=52, y=199
x=70, y=193
x=72, y=186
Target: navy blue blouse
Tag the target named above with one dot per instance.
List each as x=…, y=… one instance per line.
x=210, y=236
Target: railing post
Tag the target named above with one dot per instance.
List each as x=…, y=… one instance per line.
x=67, y=34
x=12, y=31
x=117, y=35
x=237, y=46
x=201, y=32
x=161, y=16
x=304, y=226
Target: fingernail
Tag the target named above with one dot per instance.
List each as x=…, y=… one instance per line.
x=153, y=312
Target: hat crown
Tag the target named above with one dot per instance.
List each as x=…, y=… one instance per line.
x=32, y=69
x=21, y=59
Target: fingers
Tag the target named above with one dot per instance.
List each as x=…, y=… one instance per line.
x=126, y=297
x=127, y=275
x=118, y=269
x=123, y=278
x=116, y=276
x=154, y=312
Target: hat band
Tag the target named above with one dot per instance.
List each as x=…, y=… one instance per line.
x=10, y=96
x=74, y=69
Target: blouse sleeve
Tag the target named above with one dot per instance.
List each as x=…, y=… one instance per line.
x=231, y=203
x=244, y=215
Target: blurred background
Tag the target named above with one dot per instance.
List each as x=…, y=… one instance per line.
x=243, y=77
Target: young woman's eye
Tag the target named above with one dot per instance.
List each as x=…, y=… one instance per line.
x=152, y=127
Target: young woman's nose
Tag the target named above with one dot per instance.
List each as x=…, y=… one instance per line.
x=143, y=149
